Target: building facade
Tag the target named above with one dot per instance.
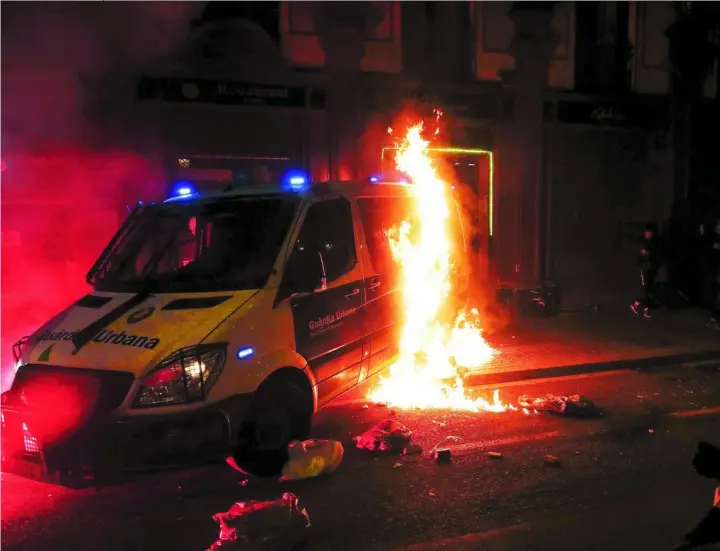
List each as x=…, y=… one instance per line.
x=571, y=98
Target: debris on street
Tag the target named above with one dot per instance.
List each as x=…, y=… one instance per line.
x=431, y=493
x=495, y=455
x=444, y=443
x=551, y=461
x=312, y=458
x=413, y=449
x=278, y=524
x=397, y=465
x=387, y=436
x=442, y=455
x=571, y=406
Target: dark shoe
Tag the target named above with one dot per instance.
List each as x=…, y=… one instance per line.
x=634, y=307
x=646, y=314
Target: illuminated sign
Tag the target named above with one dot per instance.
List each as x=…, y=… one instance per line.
x=618, y=114
x=194, y=90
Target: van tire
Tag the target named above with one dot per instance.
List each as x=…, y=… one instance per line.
x=279, y=414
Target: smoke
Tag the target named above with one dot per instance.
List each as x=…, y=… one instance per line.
x=69, y=71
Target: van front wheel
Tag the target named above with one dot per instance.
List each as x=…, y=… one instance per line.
x=280, y=414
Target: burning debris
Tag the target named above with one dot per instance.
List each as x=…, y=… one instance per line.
x=570, y=406
x=278, y=524
x=433, y=352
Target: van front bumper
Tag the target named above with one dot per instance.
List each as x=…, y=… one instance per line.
x=106, y=443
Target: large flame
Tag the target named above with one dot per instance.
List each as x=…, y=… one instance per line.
x=427, y=372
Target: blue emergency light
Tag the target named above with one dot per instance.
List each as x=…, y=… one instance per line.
x=244, y=352
x=183, y=190
x=295, y=180
x=375, y=179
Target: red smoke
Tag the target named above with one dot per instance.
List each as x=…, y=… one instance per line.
x=59, y=210
x=69, y=165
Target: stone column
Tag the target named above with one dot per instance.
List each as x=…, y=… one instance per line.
x=342, y=27
x=520, y=191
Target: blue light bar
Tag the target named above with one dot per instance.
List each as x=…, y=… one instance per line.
x=183, y=190
x=295, y=180
x=245, y=352
x=375, y=179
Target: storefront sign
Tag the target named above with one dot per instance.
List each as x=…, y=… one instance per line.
x=466, y=106
x=617, y=114
x=458, y=105
x=225, y=93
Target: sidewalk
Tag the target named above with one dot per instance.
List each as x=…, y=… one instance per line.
x=594, y=338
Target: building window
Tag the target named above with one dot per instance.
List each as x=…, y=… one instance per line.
x=301, y=17
x=602, y=57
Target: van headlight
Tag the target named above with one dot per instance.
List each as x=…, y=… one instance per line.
x=185, y=376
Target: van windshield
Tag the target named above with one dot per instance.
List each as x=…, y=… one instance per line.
x=198, y=246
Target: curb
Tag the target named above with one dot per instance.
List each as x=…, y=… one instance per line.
x=638, y=364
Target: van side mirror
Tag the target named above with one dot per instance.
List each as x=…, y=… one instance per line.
x=305, y=276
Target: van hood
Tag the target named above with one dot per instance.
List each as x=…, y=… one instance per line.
x=139, y=339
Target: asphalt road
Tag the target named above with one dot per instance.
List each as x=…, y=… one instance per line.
x=623, y=482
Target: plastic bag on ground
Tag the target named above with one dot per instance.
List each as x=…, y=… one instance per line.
x=387, y=436
x=262, y=525
x=312, y=458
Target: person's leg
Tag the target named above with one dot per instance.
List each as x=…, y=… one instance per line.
x=647, y=278
x=650, y=278
x=637, y=306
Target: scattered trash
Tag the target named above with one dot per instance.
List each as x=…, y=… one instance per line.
x=571, y=406
x=444, y=442
x=397, y=465
x=366, y=406
x=244, y=482
x=495, y=455
x=651, y=431
x=312, y=458
x=387, y=436
x=278, y=524
x=551, y=461
x=442, y=456
x=431, y=493
x=413, y=449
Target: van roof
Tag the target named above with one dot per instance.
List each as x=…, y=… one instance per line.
x=350, y=188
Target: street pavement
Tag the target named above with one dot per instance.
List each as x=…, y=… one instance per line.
x=623, y=481
x=579, y=339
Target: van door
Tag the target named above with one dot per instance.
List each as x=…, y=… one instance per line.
x=383, y=277
x=326, y=277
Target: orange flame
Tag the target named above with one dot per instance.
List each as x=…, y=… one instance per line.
x=426, y=374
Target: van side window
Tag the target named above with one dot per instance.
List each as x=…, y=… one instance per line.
x=327, y=230
x=380, y=214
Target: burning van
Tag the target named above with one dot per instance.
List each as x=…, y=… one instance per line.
x=241, y=310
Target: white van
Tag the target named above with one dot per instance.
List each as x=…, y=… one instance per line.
x=245, y=309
